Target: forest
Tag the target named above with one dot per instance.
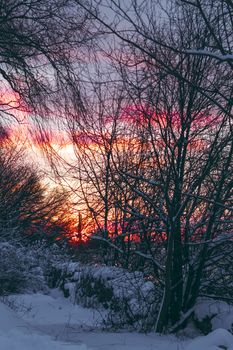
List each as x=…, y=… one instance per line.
x=116, y=163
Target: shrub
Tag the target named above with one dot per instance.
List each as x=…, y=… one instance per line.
x=19, y=270
x=29, y=269
x=210, y=314
x=127, y=297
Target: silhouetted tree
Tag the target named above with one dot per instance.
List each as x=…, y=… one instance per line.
x=42, y=43
x=182, y=101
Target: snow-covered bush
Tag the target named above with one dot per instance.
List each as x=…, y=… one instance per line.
x=210, y=314
x=128, y=298
x=19, y=270
x=218, y=339
x=48, y=258
x=28, y=268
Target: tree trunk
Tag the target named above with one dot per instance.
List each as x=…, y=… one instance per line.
x=172, y=299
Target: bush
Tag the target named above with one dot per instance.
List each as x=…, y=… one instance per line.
x=28, y=269
x=128, y=299
x=210, y=314
x=19, y=270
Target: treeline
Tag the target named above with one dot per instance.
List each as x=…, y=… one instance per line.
x=29, y=209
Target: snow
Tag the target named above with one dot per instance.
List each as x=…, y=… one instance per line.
x=218, y=56
x=125, y=284
x=17, y=340
x=51, y=322
x=219, y=312
x=218, y=339
x=54, y=310
x=129, y=298
x=16, y=334
x=8, y=319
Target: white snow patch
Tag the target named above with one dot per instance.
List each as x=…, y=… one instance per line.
x=219, y=312
x=216, y=340
x=216, y=55
x=50, y=317
x=17, y=340
x=45, y=319
x=39, y=310
x=8, y=319
x=16, y=334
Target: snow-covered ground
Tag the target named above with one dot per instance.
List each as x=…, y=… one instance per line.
x=216, y=340
x=16, y=334
x=50, y=322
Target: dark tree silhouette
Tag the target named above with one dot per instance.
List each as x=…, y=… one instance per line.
x=177, y=75
x=41, y=46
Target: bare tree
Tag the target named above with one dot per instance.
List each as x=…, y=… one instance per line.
x=182, y=107
x=41, y=46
